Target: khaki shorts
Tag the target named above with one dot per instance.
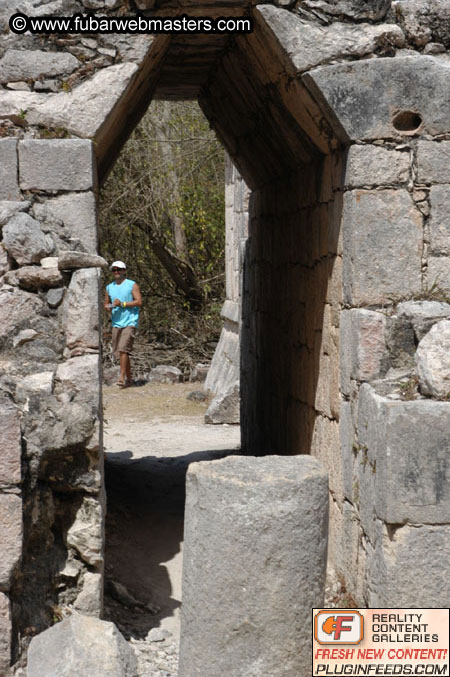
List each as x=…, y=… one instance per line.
x=122, y=340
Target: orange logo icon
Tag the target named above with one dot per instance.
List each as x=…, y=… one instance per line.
x=338, y=626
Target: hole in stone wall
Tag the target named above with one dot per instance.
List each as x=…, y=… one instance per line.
x=407, y=121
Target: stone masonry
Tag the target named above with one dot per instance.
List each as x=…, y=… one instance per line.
x=336, y=116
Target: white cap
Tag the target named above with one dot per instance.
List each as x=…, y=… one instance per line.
x=118, y=264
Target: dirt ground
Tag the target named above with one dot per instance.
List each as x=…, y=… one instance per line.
x=152, y=433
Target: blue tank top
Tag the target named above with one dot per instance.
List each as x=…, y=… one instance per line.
x=123, y=317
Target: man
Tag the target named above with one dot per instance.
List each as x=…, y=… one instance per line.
x=123, y=298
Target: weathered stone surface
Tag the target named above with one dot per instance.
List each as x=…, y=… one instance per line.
x=403, y=561
x=55, y=296
x=364, y=95
x=225, y=407
x=433, y=361
x=56, y=164
x=36, y=277
x=11, y=521
x=439, y=273
x=5, y=634
x=424, y=20
x=375, y=166
x=433, y=161
x=78, y=213
x=374, y=10
x=85, y=534
x=16, y=309
x=81, y=312
x=49, y=262
x=4, y=261
x=24, y=239
x=73, y=260
x=24, y=65
x=9, y=188
x=363, y=353
x=10, y=208
x=81, y=645
x=10, y=443
x=199, y=372
x=224, y=370
x=400, y=342
x=382, y=246
x=89, y=600
x=165, y=374
x=79, y=375
x=247, y=515
x=41, y=383
x=440, y=220
x=300, y=38
x=423, y=314
x=24, y=336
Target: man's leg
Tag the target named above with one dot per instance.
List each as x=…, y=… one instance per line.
x=124, y=362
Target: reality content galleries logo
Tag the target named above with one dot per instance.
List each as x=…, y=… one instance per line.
x=338, y=627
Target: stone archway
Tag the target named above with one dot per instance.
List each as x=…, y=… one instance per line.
x=337, y=240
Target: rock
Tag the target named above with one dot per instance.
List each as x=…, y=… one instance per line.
x=382, y=246
x=433, y=361
x=197, y=396
x=55, y=296
x=89, y=600
x=300, y=39
x=363, y=346
x=24, y=336
x=423, y=314
x=9, y=187
x=424, y=20
x=11, y=521
x=5, y=634
x=30, y=65
x=433, y=164
x=40, y=383
x=158, y=635
x=165, y=374
x=49, y=262
x=374, y=10
x=81, y=645
x=19, y=86
x=110, y=375
x=24, y=239
x=375, y=166
x=10, y=208
x=199, y=372
x=244, y=515
x=81, y=312
x=440, y=220
x=225, y=407
x=400, y=343
x=85, y=534
x=16, y=308
x=357, y=94
x=78, y=213
x=119, y=592
x=79, y=376
x=4, y=261
x=10, y=443
x=56, y=164
x=36, y=277
x=47, y=86
x=73, y=260
x=439, y=273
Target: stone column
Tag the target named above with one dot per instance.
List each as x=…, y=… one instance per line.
x=253, y=567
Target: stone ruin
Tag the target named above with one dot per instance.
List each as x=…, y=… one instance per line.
x=336, y=117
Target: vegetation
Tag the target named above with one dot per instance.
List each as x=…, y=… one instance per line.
x=162, y=212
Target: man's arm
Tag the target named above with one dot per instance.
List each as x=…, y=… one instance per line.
x=137, y=296
x=107, y=302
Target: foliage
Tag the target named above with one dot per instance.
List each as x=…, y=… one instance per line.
x=162, y=212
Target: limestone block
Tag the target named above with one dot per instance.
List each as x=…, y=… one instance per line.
x=81, y=312
x=8, y=209
x=89, y=600
x=49, y=262
x=11, y=548
x=364, y=95
x=325, y=446
x=24, y=239
x=31, y=64
x=433, y=161
x=55, y=296
x=439, y=273
x=5, y=634
x=253, y=565
x=86, y=533
x=433, y=361
x=225, y=406
x=363, y=352
x=40, y=383
x=440, y=220
x=9, y=188
x=81, y=645
x=370, y=416
x=374, y=10
x=410, y=568
x=10, y=443
x=36, y=277
x=347, y=551
x=17, y=307
x=375, y=166
x=165, y=374
x=56, y=164
x=309, y=44
x=347, y=440
x=69, y=260
x=423, y=314
x=78, y=213
x=424, y=21
x=79, y=376
x=382, y=246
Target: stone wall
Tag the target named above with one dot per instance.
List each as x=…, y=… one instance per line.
x=336, y=116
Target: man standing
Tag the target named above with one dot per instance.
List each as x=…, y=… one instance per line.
x=123, y=298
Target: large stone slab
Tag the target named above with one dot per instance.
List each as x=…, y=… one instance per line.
x=9, y=187
x=433, y=361
x=382, y=246
x=81, y=312
x=81, y=645
x=31, y=64
x=253, y=565
x=10, y=443
x=56, y=164
x=440, y=220
x=364, y=96
x=309, y=44
x=5, y=634
x=11, y=536
x=363, y=351
x=375, y=166
x=78, y=213
x=433, y=161
x=25, y=241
